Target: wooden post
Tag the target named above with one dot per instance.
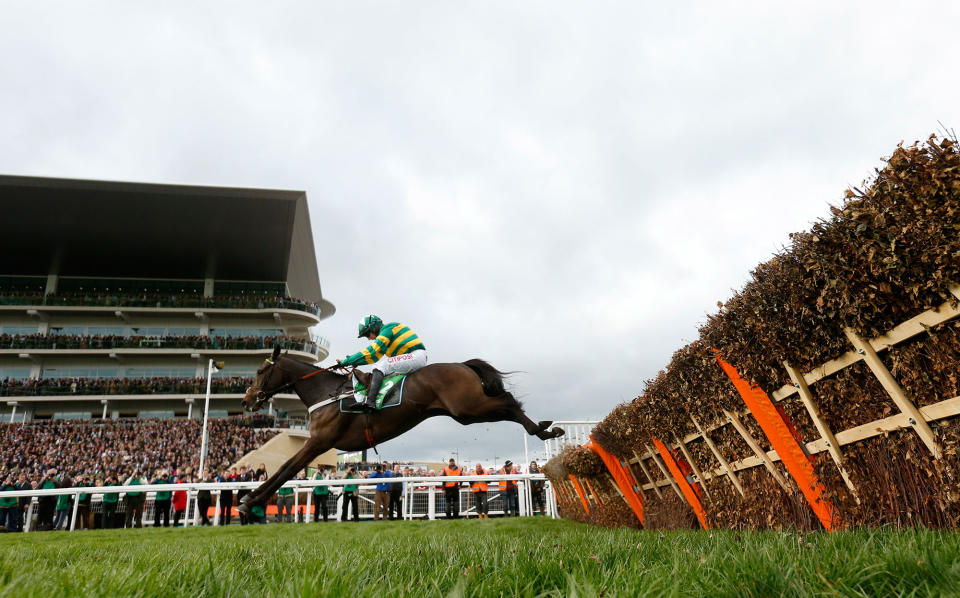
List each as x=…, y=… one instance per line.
x=806, y=397
x=755, y=447
x=636, y=483
x=723, y=462
x=895, y=391
x=693, y=466
x=613, y=483
x=646, y=472
x=666, y=474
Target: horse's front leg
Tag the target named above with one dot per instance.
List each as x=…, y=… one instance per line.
x=310, y=450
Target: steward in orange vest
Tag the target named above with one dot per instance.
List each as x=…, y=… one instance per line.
x=479, y=489
x=511, y=502
x=451, y=491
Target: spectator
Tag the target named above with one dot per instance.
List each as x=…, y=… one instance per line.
x=381, y=498
x=204, y=500
x=64, y=504
x=396, y=491
x=180, y=501
x=109, y=518
x=134, y=501
x=479, y=489
x=24, y=502
x=350, y=496
x=320, y=496
x=284, y=504
x=511, y=502
x=451, y=490
x=537, y=492
x=8, y=505
x=226, y=499
x=46, y=504
x=161, y=502
x=84, y=515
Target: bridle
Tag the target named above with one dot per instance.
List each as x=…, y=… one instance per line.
x=265, y=395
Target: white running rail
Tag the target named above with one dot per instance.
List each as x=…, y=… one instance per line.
x=575, y=434
x=423, y=496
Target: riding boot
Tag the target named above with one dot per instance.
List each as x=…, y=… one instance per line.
x=376, y=379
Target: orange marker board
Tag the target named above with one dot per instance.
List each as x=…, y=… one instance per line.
x=621, y=478
x=579, y=489
x=783, y=441
x=685, y=488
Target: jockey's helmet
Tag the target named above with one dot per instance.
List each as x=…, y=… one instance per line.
x=369, y=324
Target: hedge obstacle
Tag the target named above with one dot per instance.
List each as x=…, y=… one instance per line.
x=822, y=395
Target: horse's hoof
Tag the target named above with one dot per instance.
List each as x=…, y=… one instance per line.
x=557, y=432
x=544, y=425
x=244, y=508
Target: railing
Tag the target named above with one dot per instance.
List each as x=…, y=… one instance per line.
x=422, y=497
x=216, y=343
x=158, y=300
x=576, y=433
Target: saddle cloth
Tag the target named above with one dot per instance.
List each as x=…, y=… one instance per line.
x=390, y=395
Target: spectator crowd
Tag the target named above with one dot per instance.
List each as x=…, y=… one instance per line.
x=13, y=387
x=154, y=299
x=121, y=447
x=68, y=341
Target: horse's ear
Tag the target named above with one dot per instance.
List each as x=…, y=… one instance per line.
x=276, y=352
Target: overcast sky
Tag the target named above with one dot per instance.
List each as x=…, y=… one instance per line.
x=560, y=188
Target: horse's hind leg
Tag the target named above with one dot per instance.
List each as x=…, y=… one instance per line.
x=538, y=429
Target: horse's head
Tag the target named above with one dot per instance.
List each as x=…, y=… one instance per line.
x=269, y=379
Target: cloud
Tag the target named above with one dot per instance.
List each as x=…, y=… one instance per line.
x=562, y=189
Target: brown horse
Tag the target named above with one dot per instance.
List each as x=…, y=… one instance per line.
x=471, y=392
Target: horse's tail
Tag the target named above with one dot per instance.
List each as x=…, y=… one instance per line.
x=490, y=377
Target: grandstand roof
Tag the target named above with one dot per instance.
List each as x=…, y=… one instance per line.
x=141, y=230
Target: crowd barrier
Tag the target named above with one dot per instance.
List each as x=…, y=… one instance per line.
x=422, y=497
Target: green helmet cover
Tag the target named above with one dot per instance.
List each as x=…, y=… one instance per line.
x=369, y=324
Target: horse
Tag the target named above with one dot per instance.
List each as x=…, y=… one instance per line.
x=471, y=392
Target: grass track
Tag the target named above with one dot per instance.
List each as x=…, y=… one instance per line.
x=530, y=557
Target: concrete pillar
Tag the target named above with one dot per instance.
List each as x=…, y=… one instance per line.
x=52, y=280
x=208, y=287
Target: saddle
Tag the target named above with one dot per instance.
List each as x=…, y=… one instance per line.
x=390, y=395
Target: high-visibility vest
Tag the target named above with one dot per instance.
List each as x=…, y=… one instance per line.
x=505, y=484
x=451, y=472
x=479, y=486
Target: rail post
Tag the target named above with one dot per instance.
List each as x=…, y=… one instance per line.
x=306, y=516
x=73, y=517
x=29, y=516
x=216, y=514
x=431, y=502
x=186, y=513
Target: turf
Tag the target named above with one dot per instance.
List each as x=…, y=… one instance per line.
x=529, y=557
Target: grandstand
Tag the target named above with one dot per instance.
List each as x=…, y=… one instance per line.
x=114, y=296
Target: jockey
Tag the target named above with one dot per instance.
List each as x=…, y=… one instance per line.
x=395, y=349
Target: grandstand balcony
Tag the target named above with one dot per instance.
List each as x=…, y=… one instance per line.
x=121, y=346
x=124, y=307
